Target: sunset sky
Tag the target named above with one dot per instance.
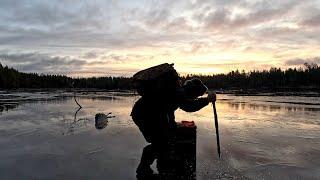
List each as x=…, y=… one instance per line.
x=118, y=38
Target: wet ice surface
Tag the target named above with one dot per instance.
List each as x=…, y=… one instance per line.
x=262, y=137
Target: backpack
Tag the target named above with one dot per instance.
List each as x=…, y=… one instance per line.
x=157, y=80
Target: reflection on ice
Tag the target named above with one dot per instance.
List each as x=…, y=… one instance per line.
x=269, y=106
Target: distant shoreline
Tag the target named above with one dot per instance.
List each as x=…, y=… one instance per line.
x=301, y=91
x=273, y=80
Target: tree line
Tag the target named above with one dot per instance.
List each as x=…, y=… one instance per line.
x=11, y=78
x=274, y=78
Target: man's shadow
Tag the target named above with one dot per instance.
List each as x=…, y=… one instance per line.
x=177, y=161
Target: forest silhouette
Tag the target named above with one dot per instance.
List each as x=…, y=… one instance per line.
x=305, y=78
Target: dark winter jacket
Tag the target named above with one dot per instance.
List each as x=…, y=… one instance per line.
x=155, y=115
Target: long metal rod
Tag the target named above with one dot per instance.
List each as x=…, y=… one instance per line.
x=217, y=127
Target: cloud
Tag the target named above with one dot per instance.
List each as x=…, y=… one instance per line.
x=133, y=32
x=312, y=21
x=300, y=61
x=90, y=55
x=117, y=25
x=227, y=18
x=35, y=62
x=126, y=58
x=37, y=14
x=44, y=63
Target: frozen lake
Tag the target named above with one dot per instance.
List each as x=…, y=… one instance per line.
x=262, y=137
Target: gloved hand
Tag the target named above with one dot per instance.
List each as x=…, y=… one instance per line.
x=212, y=97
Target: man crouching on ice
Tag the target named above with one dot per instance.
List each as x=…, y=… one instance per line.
x=154, y=115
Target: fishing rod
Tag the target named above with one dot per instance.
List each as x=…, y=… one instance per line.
x=217, y=127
